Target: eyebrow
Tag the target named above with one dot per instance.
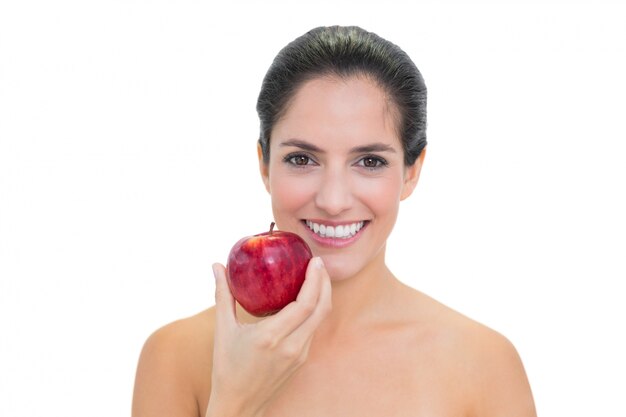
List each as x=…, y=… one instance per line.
x=373, y=147
x=304, y=145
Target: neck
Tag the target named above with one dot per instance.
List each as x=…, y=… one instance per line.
x=360, y=300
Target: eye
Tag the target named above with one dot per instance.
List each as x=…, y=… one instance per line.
x=298, y=160
x=372, y=162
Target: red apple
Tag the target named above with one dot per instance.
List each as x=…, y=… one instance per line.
x=266, y=271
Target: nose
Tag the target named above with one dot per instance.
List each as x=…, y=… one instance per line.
x=334, y=194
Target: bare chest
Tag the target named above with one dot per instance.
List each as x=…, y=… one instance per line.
x=372, y=380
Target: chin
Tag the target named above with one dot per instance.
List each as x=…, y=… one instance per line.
x=340, y=270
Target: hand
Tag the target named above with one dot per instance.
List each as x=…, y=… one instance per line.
x=251, y=362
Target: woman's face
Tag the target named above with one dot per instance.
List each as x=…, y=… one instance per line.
x=336, y=171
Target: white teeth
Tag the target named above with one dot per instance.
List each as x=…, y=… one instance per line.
x=339, y=232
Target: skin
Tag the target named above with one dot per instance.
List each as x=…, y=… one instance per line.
x=357, y=341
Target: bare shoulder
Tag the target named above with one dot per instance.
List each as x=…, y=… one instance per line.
x=173, y=367
x=495, y=380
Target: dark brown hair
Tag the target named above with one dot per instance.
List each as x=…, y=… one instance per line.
x=346, y=51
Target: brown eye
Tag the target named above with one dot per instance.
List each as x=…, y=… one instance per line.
x=370, y=162
x=300, y=160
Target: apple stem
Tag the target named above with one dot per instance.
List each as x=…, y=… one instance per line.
x=272, y=227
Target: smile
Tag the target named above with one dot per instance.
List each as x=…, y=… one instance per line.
x=345, y=231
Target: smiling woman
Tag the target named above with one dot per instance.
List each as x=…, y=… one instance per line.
x=346, y=168
x=342, y=143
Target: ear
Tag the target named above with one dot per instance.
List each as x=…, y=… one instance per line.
x=263, y=168
x=412, y=175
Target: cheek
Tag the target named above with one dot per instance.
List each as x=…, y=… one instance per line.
x=289, y=193
x=381, y=195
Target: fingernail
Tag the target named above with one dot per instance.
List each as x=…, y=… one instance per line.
x=214, y=267
x=318, y=262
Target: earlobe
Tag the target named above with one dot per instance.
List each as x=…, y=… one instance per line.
x=412, y=175
x=263, y=168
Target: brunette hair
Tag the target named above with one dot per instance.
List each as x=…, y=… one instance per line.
x=345, y=51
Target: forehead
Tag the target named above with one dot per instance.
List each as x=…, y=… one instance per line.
x=336, y=111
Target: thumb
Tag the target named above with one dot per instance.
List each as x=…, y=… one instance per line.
x=224, y=300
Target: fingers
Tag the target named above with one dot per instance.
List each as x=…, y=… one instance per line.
x=224, y=300
x=322, y=308
x=296, y=313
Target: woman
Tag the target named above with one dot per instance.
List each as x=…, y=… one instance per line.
x=343, y=119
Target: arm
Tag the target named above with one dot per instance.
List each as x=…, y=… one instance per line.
x=241, y=366
x=503, y=386
x=163, y=386
x=251, y=363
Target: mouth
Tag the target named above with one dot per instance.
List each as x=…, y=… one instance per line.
x=343, y=231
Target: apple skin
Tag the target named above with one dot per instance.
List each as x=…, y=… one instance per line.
x=266, y=271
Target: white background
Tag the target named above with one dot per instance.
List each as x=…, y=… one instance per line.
x=128, y=166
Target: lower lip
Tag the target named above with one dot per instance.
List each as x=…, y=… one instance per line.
x=334, y=242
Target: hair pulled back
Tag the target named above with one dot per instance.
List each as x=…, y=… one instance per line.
x=345, y=51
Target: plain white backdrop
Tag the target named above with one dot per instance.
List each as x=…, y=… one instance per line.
x=128, y=166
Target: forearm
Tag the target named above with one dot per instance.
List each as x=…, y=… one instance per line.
x=230, y=409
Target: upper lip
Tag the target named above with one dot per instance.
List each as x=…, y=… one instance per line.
x=334, y=223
